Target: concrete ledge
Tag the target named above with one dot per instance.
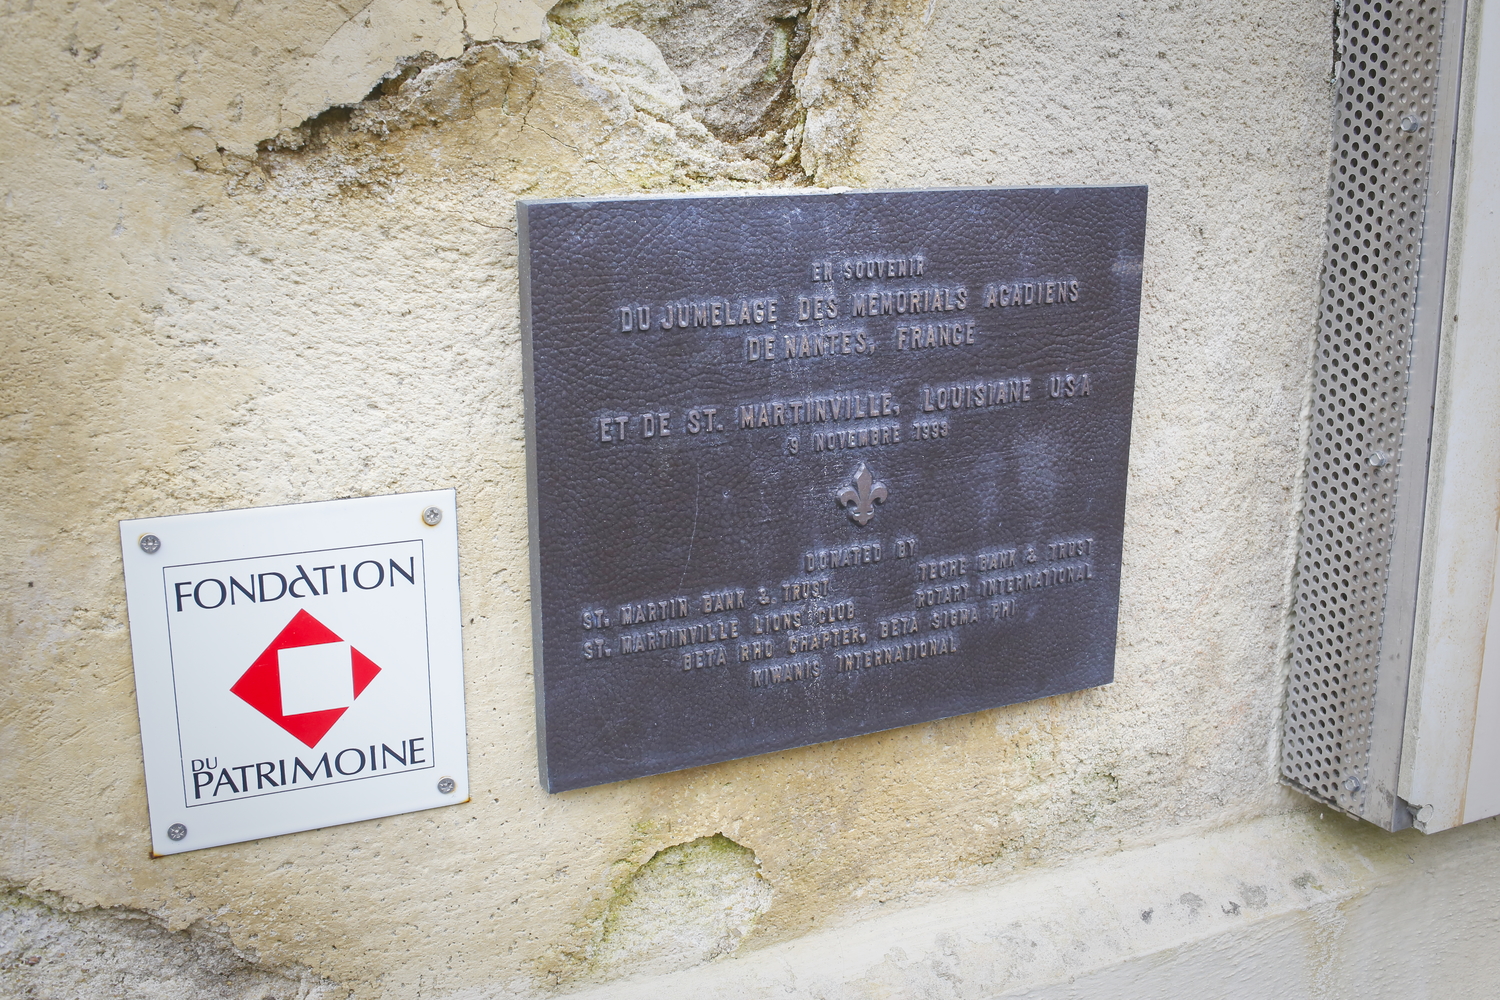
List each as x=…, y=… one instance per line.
x=1282, y=907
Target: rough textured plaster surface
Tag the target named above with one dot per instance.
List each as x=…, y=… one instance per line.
x=187, y=79
x=213, y=306
x=47, y=953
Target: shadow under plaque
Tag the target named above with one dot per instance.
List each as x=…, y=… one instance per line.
x=806, y=466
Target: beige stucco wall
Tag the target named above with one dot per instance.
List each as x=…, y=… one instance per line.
x=216, y=294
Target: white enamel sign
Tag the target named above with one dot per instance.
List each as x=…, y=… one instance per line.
x=296, y=667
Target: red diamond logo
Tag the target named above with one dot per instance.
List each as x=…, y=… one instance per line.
x=305, y=679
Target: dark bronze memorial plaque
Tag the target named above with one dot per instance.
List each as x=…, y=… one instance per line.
x=805, y=466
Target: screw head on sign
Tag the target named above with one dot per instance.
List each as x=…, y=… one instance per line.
x=150, y=544
x=446, y=785
x=431, y=516
x=176, y=831
x=1377, y=459
x=1351, y=784
x=1410, y=123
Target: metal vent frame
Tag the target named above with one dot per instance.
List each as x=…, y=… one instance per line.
x=1374, y=379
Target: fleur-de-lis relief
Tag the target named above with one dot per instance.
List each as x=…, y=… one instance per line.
x=862, y=497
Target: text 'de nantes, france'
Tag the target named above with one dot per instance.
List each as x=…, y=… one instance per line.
x=805, y=466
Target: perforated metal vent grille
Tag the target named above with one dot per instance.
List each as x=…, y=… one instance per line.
x=1386, y=91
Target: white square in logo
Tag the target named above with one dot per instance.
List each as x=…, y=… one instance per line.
x=296, y=667
x=315, y=678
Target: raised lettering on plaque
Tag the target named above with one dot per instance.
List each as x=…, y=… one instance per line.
x=805, y=466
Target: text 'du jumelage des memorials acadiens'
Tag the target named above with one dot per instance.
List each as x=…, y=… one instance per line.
x=806, y=466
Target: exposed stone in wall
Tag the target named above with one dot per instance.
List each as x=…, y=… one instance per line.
x=859, y=54
x=613, y=113
x=688, y=904
x=735, y=59
x=757, y=90
x=714, y=72
x=708, y=84
x=50, y=953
